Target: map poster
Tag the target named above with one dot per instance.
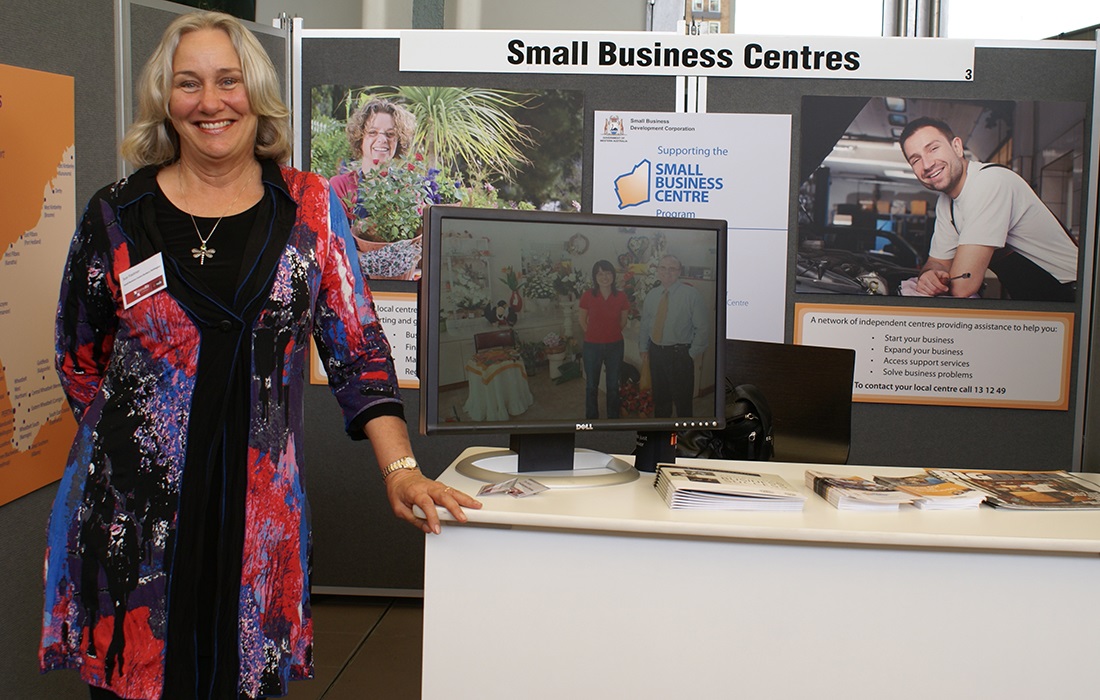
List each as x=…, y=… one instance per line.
x=709, y=166
x=37, y=177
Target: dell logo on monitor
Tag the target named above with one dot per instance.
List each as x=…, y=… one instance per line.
x=584, y=426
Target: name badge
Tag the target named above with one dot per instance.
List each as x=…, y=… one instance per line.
x=142, y=280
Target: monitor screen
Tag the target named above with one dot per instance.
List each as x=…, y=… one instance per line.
x=545, y=324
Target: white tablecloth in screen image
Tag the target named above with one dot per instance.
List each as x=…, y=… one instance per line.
x=497, y=389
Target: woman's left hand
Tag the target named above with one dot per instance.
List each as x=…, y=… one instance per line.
x=408, y=487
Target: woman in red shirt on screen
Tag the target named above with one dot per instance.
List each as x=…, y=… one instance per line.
x=603, y=311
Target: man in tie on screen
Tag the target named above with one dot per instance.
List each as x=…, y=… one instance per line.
x=674, y=333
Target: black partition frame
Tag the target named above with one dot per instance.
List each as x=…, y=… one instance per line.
x=881, y=433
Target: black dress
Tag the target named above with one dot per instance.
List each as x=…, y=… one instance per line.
x=202, y=659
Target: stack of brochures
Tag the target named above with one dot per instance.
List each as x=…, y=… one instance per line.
x=934, y=492
x=855, y=492
x=1048, y=490
x=725, y=489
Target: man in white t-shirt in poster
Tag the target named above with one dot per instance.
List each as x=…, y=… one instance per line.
x=987, y=217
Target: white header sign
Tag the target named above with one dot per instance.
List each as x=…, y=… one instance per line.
x=718, y=55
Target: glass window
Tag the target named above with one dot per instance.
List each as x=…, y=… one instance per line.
x=1018, y=19
x=808, y=17
x=966, y=19
x=715, y=6
x=696, y=5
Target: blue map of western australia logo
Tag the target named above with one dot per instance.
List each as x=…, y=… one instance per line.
x=632, y=188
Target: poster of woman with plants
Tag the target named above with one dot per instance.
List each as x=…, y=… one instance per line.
x=392, y=151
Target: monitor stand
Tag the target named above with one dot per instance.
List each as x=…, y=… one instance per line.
x=550, y=459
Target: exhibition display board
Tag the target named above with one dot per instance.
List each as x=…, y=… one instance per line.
x=842, y=218
x=933, y=385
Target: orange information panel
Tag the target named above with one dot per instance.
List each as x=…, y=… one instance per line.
x=948, y=357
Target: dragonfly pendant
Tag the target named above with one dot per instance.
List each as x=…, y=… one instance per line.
x=202, y=253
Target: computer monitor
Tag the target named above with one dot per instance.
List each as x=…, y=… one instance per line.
x=506, y=298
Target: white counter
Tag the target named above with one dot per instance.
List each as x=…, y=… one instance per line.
x=606, y=592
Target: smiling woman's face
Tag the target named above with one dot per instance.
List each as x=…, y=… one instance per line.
x=209, y=106
x=379, y=140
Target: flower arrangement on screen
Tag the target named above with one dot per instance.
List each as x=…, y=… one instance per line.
x=639, y=270
x=539, y=281
x=570, y=281
x=637, y=283
x=635, y=401
x=554, y=343
x=467, y=291
x=512, y=279
x=534, y=355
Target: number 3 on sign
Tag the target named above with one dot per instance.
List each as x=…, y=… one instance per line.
x=969, y=73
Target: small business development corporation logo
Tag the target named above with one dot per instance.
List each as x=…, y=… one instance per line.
x=632, y=188
x=613, y=126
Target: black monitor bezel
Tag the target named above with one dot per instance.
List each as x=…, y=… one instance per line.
x=428, y=360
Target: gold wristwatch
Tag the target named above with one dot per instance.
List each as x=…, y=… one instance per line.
x=398, y=464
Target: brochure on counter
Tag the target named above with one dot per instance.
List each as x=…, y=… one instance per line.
x=933, y=492
x=1045, y=490
x=725, y=489
x=855, y=492
x=517, y=488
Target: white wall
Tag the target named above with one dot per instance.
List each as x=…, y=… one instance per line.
x=331, y=14
x=610, y=15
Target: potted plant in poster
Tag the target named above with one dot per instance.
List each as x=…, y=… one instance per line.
x=388, y=206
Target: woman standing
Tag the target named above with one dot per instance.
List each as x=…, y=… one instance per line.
x=178, y=550
x=603, y=311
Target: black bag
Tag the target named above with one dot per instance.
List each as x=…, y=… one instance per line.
x=747, y=435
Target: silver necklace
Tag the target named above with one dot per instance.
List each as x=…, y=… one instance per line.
x=202, y=252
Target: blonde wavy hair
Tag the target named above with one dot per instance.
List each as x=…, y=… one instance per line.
x=152, y=140
x=404, y=123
